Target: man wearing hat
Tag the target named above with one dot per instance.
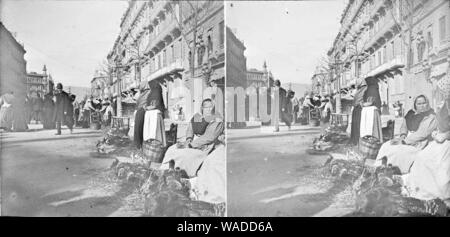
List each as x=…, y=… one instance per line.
x=62, y=108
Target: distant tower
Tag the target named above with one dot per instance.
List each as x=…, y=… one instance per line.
x=44, y=70
x=266, y=74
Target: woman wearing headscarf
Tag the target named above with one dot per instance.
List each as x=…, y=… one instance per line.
x=150, y=98
x=358, y=99
x=202, y=136
x=416, y=130
x=429, y=177
x=370, y=124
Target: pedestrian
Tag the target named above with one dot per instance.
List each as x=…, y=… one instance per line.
x=69, y=116
x=61, y=108
x=76, y=113
x=6, y=110
x=371, y=111
x=326, y=112
x=281, y=105
x=48, y=111
x=150, y=98
x=358, y=99
x=37, y=108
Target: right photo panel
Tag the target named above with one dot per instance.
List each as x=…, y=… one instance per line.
x=338, y=108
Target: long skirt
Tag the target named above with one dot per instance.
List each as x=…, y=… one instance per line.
x=430, y=174
x=356, y=122
x=371, y=123
x=139, y=127
x=6, y=117
x=401, y=156
x=187, y=159
x=154, y=127
x=210, y=185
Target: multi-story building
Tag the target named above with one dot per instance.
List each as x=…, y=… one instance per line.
x=320, y=82
x=259, y=78
x=396, y=42
x=156, y=42
x=99, y=87
x=13, y=72
x=37, y=84
x=236, y=61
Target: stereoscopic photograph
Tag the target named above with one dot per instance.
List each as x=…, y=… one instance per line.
x=179, y=108
x=340, y=108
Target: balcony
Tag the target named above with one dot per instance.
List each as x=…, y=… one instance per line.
x=175, y=66
x=157, y=42
x=396, y=63
x=385, y=32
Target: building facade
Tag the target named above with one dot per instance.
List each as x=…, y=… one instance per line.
x=402, y=44
x=37, y=84
x=169, y=42
x=12, y=64
x=100, y=87
x=236, y=61
x=260, y=78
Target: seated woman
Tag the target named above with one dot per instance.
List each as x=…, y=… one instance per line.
x=209, y=127
x=416, y=130
x=429, y=177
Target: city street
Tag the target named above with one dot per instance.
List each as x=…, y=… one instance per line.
x=48, y=175
x=272, y=175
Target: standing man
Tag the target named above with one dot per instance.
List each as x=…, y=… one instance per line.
x=48, y=111
x=61, y=108
x=282, y=102
x=37, y=108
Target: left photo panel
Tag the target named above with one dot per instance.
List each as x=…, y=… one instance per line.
x=112, y=108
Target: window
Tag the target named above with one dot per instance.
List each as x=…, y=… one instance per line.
x=430, y=39
x=384, y=54
x=442, y=29
x=159, y=61
x=379, y=58
x=164, y=58
x=221, y=33
x=172, y=52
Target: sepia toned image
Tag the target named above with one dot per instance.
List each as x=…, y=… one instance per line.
x=112, y=108
x=338, y=108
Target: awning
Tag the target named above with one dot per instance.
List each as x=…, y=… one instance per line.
x=438, y=71
x=171, y=69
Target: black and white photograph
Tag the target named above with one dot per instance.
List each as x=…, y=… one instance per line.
x=246, y=109
x=108, y=108
x=341, y=108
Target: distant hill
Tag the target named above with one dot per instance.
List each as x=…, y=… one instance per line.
x=298, y=88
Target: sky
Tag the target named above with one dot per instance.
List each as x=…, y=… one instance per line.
x=71, y=38
x=291, y=36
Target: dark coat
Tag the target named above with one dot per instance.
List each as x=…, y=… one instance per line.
x=62, y=107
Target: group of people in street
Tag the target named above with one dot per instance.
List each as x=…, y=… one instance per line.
x=201, y=154
x=422, y=150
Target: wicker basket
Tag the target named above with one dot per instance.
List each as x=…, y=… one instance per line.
x=153, y=150
x=369, y=149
